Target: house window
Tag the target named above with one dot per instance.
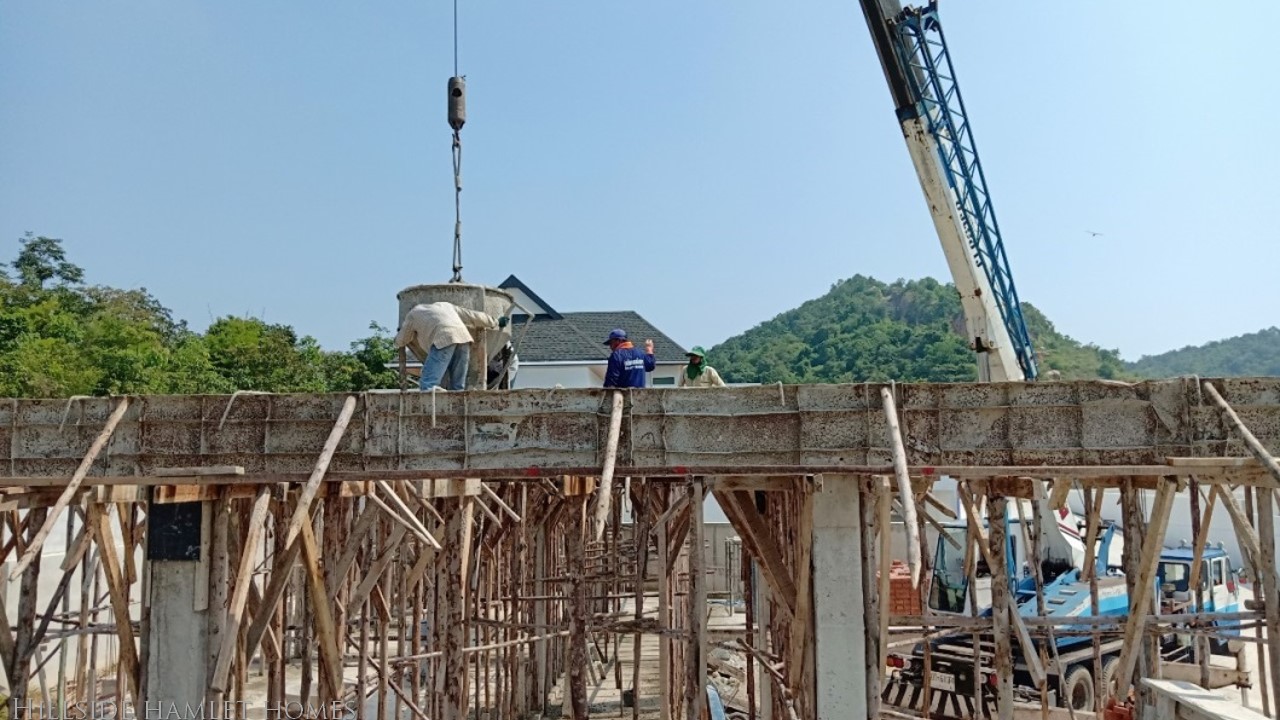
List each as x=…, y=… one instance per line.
x=664, y=381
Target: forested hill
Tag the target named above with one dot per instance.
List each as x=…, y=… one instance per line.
x=866, y=330
x=1252, y=355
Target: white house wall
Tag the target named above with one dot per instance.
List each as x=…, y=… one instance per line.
x=549, y=375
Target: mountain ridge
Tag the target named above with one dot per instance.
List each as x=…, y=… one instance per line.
x=867, y=330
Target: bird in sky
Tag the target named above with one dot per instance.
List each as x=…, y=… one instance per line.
x=1094, y=234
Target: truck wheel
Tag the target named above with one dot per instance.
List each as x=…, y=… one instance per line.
x=1077, y=689
x=1109, y=670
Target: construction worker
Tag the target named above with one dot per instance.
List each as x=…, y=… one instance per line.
x=698, y=374
x=627, y=365
x=439, y=334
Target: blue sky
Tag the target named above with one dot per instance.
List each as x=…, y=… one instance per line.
x=709, y=165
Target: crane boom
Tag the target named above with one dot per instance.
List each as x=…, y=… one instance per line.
x=913, y=53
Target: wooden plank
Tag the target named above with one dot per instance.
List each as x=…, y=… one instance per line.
x=1001, y=604
x=451, y=487
x=240, y=595
x=198, y=471
x=574, y=485
x=271, y=643
x=1195, y=463
x=940, y=506
x=1202, y=538
x=974, y=521
x=1061, y=490
x=219, y=577
x=36, y=545
x=884, y=526
x=754, y=483
x=1267, y=576
x=1245, y=533
x=1145, y=476
x=271, y=596
x=1029, y=652
x=1219, y=677
x=416, y=526
x=456, y=593
x=119, y=601
x=326, y=633
x=759, y=541
x=800, y=667
x=1203, y=706
x=1140, y=601
x=876, y=603
x=498, y=500
x=302, y=507
x=383, y=561
x=7, y=646
x=108, y=494
x=695, y=695
x=355, y=538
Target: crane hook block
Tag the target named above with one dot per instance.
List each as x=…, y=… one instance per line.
x=457, y=102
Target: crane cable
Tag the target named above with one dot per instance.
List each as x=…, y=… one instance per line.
x=457, y=117
x=457, y=207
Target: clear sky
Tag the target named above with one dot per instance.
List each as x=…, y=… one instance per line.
x=707, y=164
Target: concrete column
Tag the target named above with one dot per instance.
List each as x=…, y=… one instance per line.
x=178, y=641
x=838, y=604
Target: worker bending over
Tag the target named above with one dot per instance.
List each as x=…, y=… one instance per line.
x=439, y=334
x=698, y=374
x=627, y=364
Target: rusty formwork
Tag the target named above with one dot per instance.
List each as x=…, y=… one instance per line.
x=543, y=433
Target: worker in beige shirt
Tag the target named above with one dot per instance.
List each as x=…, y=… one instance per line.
x=698, y=374
x=439, y=334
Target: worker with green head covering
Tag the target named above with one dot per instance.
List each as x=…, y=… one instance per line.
x=698, y=374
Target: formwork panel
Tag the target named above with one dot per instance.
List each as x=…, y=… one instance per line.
x=1051, y=423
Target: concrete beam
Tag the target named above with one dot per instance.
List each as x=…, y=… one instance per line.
x=531, y=432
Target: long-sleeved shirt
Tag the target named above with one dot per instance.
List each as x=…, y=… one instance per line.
x=439, y=325
x=627, y=366
x=708, y=378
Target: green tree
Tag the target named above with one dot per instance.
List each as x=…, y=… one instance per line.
x=253, y=355
x=43, y=259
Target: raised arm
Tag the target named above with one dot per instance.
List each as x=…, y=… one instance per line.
x=476, y=320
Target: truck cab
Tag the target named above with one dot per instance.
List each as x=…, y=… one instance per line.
x=1219, y=584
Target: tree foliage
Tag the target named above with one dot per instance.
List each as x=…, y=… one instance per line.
x=864, y=330
x=1252, y=355
x=60, y=337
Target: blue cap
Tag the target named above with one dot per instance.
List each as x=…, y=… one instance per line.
x=616, y=334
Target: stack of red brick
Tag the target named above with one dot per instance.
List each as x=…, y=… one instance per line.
x=903, y=599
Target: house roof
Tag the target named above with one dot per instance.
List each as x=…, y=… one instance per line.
x=580, y=336
x=541, y=307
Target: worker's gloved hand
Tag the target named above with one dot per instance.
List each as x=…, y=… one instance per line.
x=648, y=346
x=502, y=321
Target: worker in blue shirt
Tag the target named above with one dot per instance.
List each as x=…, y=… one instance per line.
x=627, y=364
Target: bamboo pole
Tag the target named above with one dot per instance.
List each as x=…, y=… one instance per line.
x=905, y=494
x=604, y=495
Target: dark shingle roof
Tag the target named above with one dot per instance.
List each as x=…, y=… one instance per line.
x=580, y=336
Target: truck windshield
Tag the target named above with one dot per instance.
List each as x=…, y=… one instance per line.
x=1176, y=574
x=950, y=586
